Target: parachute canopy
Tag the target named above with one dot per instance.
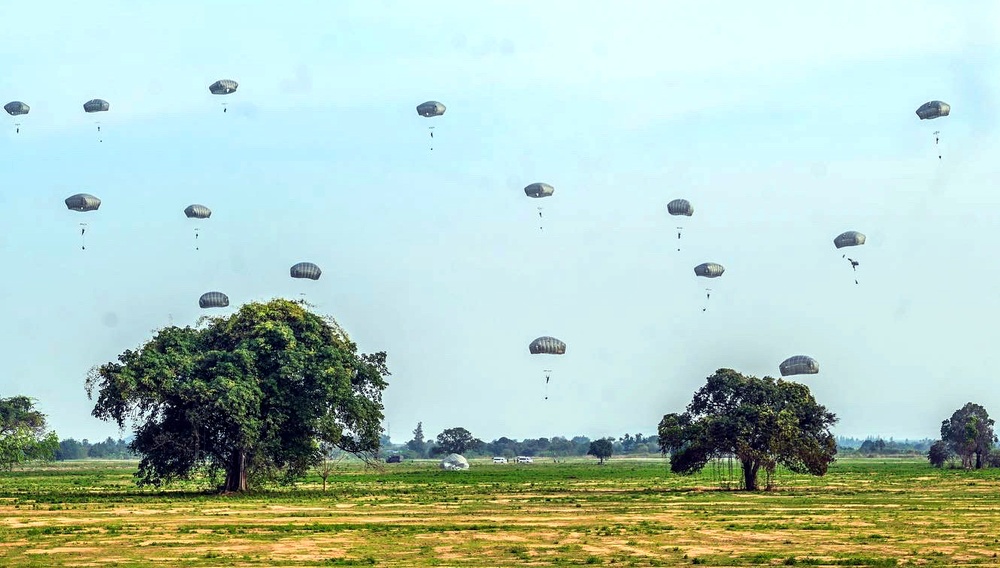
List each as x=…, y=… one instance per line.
x=547, y=345
x=709, y=270
x=15, y=108
x=96, y=105
x=680, y=207
x=83, y=202
x=213, y=300
x=933, y=109
x=306, y=270
x=196, y=211
x=454, y=462
x=430, y=108
x=223, y=87
x=799, y=365
x=849, y=239
x=539, y=190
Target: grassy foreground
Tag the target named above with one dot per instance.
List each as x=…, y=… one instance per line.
x=865, y=512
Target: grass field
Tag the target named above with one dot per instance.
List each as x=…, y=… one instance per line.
x=864, y=512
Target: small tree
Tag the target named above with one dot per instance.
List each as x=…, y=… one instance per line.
x=24, y=435
x=330, y=458
x=417, y=445
x=938, y=454
x=456, y=441
x=763, y=422
x=601, y=449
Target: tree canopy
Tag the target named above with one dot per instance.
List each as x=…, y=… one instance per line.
x=762, y=421
x=23, y=433
x=968, y=434
x=253, y=394
x=455, y=441
x=601, y=449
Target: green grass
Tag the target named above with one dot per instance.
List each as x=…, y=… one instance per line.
x=864, y=512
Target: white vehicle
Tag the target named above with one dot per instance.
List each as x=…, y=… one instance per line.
x=524, y=459
x=499, y=460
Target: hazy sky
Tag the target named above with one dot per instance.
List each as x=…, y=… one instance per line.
x=783, y=123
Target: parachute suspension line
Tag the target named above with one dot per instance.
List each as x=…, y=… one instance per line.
x=548, y=373
x=83, y=239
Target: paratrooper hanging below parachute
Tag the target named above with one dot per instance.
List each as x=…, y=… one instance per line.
x=431, y=109
x=82, y=202
x=196, y=211
x=96, y=105
x=223, y=87
x=850, y=239
x=931, y=110
x=15, y=109
x=546, y=345
x=708, y=270
x=680, y=207
x=538, y=191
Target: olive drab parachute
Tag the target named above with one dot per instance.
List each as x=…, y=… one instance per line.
x=679, y=207
x=430, y=109
x=537, y=191
x=850, y=239
x=213, y=300
x=708, y=270
x=931, y=110
x=15, y=109
x=82, y=202
x=223, y=87
x=547, y=345
x=196, y=211
x=305, y=270
x=96, y=105
x=799, y=365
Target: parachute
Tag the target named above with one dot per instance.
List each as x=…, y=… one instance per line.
x=799, y=365
x=850, y=239
x=82, y=202
x=538, y=191
x=196, y=211
x=931, y=110
x=16, y=108
x=96, y=105
x=546, y=345
x=431, y=109
x=454, y=462
x=213, y=300
x=680, y=207
x=708, y=270
x=305, y=270
x=223, y=87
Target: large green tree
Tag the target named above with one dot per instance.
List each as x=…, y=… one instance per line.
x=24, y=435
x=762, y=421
x=456, y=441
x=253, y=394
x=969, y=434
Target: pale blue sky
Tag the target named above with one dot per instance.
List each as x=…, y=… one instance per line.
x=783, y=124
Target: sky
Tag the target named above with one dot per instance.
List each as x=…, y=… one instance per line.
x=784, y=124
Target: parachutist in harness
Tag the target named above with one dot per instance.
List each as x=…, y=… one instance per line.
x=854, y=265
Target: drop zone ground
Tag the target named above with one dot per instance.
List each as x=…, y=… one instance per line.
x=865, y=512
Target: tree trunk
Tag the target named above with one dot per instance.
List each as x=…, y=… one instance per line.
x=979, y=460
x=750, y=468
x=236, y=473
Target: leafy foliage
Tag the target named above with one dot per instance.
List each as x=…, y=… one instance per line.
x=601, y=449
x=455, y=441
x=252, y=394
x=23, y=435
x=762, y=421
x=969, y=434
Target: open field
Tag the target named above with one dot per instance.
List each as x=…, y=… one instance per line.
x=865, y=512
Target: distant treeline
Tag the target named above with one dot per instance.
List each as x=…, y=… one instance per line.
x=872, y=446
x=109, y=449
